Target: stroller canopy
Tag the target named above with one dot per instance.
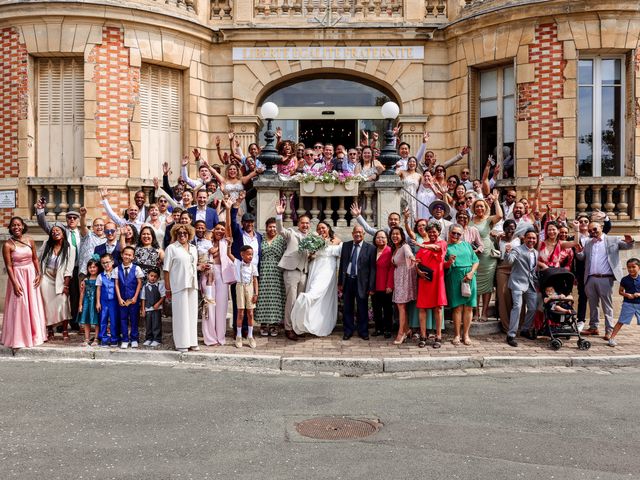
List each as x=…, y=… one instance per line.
x=560, y=279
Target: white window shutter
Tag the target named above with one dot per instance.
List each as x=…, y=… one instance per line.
x=161, y=119
x=60, y=136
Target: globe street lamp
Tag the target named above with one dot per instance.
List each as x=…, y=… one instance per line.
x=388, y=155
x=269, y=156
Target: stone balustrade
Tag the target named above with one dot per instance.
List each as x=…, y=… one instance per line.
x=60, y=195
x=609, y=194
x=376, y=200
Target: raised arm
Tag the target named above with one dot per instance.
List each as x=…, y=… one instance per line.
x=166, y=171
x=84, y=230
x=184, y=172
x=159, y=192
x=356, y=212
x=285, y=232
x=535, y=202
x=41, y=216
x=104, y=194
x=456, y=158
x=421, y=151
x=486, y=188
x=407, y=224
x=496, y=201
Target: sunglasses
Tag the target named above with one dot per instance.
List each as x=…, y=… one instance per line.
x=455, y=234
x=162, y=201
x=72, y=217
x=110, y=231
x=465, y=173
x=308, y=154
x=584, y=222
x=511, y=196
x=300, y=150
x=593, y=230
x=353, y=153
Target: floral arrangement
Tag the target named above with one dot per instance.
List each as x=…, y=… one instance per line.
x=311, y=243
x=325, y=176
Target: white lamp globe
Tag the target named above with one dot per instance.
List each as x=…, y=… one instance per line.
x=269, y=110
x=390, y=110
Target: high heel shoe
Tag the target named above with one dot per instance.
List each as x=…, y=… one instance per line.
x=400, y=341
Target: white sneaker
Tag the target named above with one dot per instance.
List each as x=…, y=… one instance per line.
x=134, y=344
x=612, y=342
x=147, y=343
x=580, y=326
x=154, y=344
x=252, y=342
x=239, y=342
x=124, y=345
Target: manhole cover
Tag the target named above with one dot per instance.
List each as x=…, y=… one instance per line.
x=336, y=428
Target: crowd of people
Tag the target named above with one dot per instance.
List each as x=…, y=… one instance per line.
x=455, y=244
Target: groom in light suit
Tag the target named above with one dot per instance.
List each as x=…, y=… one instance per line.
x=293, y=264
x=357, y=280
x=522, y=283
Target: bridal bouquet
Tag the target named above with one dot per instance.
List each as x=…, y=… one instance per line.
x=311, y=243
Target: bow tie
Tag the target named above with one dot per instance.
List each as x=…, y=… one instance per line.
x=596, y=239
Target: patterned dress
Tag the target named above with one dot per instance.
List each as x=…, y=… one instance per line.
x=271, y=294
x=405, y=278
x=147, y=258
x=487, y=268
x=89, y=314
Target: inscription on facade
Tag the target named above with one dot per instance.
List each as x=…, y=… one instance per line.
x=328, y=53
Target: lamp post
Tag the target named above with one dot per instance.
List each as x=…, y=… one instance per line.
x=269, y=155
x=388, y=155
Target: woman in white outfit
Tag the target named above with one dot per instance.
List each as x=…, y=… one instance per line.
x=181, y=283
x=316, y=310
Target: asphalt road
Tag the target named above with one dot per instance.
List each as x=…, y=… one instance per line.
x=82, y=421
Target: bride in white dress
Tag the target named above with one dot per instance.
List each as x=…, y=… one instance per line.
x=316, y=310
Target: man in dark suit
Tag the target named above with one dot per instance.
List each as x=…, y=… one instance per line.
x=202, y=212
x=356, y=281
x=112, y=245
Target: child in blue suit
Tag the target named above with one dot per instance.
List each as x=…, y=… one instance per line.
x=107, y=302
x=128, y=284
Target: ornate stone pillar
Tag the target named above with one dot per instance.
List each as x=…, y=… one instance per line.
x=246, y=128
x=413, y=127
x=388, y=188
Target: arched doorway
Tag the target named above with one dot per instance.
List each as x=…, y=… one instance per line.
x=328, y=109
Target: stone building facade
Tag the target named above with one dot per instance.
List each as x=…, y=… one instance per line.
x=100, y=93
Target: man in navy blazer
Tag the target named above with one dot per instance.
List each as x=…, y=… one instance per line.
x=356, y=281
x=202, y=212
x=244, y=234
x=112, y=245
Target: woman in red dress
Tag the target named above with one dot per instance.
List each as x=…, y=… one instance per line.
x=431, y=293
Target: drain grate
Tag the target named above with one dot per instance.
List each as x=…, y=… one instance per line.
x=336, y=428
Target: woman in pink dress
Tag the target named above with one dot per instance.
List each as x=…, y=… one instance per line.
x=24, y=319
x=432, y=294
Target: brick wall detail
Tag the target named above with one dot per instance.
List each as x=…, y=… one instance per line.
x=537, y=105
x=117, y=90
x=13, y=108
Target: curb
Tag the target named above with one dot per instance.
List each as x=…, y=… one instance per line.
x=349, y=367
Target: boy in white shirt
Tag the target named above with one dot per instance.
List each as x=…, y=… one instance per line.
x=246, y=293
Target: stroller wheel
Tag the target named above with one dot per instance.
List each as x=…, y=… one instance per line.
x=556, y=344
x=567, y=337
x=584, y=344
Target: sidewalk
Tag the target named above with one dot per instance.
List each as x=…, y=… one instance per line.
x=356, y=356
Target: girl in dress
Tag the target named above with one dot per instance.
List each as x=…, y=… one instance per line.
x=24, y=318
x=87, y=311
x=371, y=168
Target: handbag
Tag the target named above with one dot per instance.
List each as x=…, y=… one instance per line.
x=428, y=272
x=465, y=289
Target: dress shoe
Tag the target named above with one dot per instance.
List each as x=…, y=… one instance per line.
x=591, y=331
x=376, y=333
x=512, y=341
x=347, y=336
x=291, y=335
x=364, y=337
x=527, y=334
x=387, y=334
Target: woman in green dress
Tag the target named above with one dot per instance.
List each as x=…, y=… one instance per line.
x=461, y=264
x=484, y=222
x=270, y=307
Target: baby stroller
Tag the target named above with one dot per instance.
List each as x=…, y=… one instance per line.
x=559, y=317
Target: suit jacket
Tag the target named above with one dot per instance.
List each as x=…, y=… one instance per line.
x=522, y=278
x=238, y=237
x=366, y=269
x=613, y=245
x=292, y=259
x=102, y=249
x=211, y=217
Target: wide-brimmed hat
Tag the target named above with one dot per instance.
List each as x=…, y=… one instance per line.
x=440, y=203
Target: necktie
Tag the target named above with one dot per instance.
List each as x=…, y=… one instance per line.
x=126, y=271
x=354, y=259
x=74, y=242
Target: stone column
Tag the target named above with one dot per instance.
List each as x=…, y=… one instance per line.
x=246, y=128
x=388, y=188
x=413, y=127
x=268, y=195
